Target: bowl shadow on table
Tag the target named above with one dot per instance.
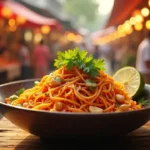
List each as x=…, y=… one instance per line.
x=104, y=143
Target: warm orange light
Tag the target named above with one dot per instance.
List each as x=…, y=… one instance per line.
x=139, y=18
x=132, y=21
x=11, y=22
x=6, y=12
x=78, y=39
x=147, y=24
x=126, y=26
x=45, y=29
x=149, y=3
x=28, y=36
x=136, y=12
x=145, y=12
x=37, y=37
x=123, y=34
x=71, y=37
x=138, y=26
x=120, y=28
x=20, y=20
x=12, y=28
x=129, y=31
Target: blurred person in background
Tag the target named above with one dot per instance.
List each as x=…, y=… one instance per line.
x=143, y=58
x=130, y=57
x=120, y=53
x=41, y=58
x=96, y=52
x=106, y=54
x=24, y=57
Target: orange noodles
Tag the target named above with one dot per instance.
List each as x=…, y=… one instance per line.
x=69, y=91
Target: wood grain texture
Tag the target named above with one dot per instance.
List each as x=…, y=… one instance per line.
x=13, y=138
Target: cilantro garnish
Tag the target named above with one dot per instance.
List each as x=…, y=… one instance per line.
x=143, y=101
x=20, y=91
x=79, y=58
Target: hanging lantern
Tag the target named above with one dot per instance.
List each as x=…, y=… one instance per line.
x=147, y=24
x=20, y=20
x=6, y=12
x=45, y=29
x=145, y=12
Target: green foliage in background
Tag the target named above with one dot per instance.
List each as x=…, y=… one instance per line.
x=83, y=11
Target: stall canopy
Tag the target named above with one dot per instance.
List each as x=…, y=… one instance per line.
x=32, y=19
x=66, y=23
x=121, y=10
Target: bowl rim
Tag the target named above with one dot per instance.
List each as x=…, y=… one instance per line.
x=65, y=113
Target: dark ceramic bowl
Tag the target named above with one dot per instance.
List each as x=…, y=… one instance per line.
x=49, y=124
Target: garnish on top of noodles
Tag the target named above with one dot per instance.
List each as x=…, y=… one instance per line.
x=76, y=58
x=78, y=85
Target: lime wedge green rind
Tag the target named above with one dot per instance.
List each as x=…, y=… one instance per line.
x=131, y=79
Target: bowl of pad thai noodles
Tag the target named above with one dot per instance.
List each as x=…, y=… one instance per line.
x=78, y=99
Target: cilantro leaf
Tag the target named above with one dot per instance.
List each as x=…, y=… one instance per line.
x=79, y=58
x=82, y=54
x=20, y=91
x=143, y=101
x=99, y=63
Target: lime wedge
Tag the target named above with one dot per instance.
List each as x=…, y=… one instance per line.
x=131, y=79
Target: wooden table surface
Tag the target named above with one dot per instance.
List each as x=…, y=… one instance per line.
x=14, y=138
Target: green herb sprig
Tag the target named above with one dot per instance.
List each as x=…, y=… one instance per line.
x=79, y=58
x=143, y=101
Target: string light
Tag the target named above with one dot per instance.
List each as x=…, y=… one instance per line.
x=147, y=24
x=138, y=26
x=149, y=3
x=145, y=12
x=139, y=18
x=132, y=21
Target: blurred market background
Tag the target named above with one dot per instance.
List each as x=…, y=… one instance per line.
x=31, y=33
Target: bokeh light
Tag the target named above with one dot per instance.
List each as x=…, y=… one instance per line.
x=6, y=12
x=138, y=26
x=11, y=22
x=132, y=21
x=139, y=18
x=45, y=29
x=78, y=39
x=37, y=37
x=71, y=37
x=20, y=20
x=28, y=36
x=147, y=24
x=145, y=12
